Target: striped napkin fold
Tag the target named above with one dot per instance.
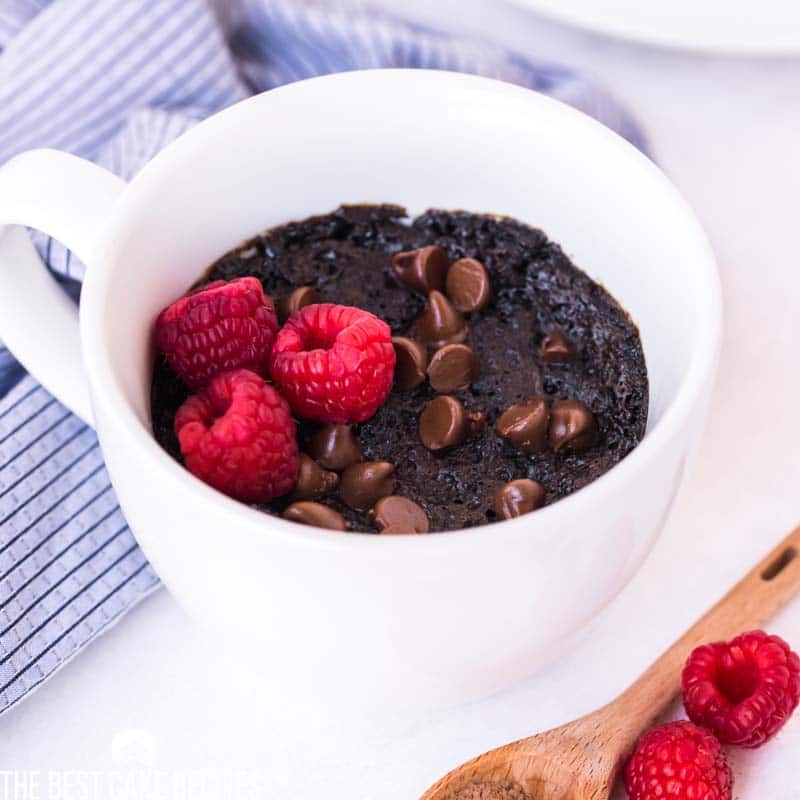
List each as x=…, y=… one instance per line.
x=115, y=81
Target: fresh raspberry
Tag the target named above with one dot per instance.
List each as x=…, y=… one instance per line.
x=743, y=690
x=678, y=761
x=334, y=363
x=238, y=436
x=223, y=325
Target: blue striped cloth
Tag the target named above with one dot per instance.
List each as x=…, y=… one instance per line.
x=114, y=81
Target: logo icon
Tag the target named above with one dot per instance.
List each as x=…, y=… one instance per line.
x=134, y=747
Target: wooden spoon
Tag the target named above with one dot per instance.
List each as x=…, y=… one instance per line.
x=580, y=760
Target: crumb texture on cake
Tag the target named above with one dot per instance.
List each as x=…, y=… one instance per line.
x=491, y=790
x=535, y=290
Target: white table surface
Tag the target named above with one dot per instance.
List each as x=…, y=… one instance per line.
x=728, y=132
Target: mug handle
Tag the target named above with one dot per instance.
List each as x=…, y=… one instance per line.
x=69, y=199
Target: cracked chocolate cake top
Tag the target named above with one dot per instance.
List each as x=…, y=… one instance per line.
x=522, y=323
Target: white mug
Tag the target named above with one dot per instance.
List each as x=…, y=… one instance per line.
x=379, y=621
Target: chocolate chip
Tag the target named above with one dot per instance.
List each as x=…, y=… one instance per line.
x=334, y=447
x=572, y=426
x=364, y=484
x=440, y=323
x=556, y=349
x=467, y=285
x=518, y=497
x=423, y=269
x=400, y=514
x=412, y=358
x=453, y=368
x=299, y=298
x=310, y=513
x=390, y=530
x=312, y=480
x=444, y=423
x=524, y=425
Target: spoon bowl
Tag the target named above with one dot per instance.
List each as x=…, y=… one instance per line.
x=565, y=763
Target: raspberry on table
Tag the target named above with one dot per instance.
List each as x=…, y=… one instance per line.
x=743, y=690
x=238, y=436
x=679, y=761
x=223, y=325
x=334, y=363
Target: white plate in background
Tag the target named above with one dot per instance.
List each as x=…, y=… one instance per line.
x=736, y=26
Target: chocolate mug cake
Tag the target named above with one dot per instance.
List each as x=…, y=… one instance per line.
x=497, y=376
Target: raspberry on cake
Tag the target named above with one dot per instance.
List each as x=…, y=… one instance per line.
x=678, y=761
x=744, y=690
x=238, y=436
x=225, y=325
x=334, y=363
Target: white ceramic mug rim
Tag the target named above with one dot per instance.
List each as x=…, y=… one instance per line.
x=162, y=467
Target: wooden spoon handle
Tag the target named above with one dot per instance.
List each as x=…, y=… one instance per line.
x=750, y=604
